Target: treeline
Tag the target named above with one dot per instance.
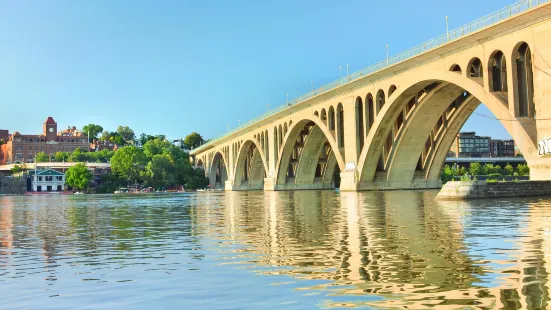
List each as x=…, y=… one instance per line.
x=78, y=155
x=477, y=169
x=158, y=164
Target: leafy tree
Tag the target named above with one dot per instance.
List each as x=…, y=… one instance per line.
x=126, y=133
x=78, y=176
x=488, y=169
x=42, y=157
x=103, y=156
x=128, y=162
x=61, y=157
x=476, y=169
x=16, y=169
x=78, y=155
x=523, y=170
x=156, y=147
x=110, y=183
x=92, y=130
x=508, y=170
x=160, y=171
x=105, y=136
x=197, y=179
x=193, y=141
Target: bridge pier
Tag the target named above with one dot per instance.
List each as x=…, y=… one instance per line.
x=349, y=181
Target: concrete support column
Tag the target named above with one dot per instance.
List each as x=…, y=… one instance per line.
x=350, y=148
x=349, y=180
x=540, y=165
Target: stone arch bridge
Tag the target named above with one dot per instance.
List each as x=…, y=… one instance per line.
x=391, y=125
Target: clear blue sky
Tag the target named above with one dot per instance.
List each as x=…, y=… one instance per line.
x=173, y=67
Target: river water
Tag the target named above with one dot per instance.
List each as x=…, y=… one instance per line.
x=273, y=250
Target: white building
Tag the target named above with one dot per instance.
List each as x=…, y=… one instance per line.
x=47, y=181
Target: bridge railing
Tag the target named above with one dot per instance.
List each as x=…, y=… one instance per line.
x=454, y=34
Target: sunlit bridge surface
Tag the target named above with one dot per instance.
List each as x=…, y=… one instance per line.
x=273, y=250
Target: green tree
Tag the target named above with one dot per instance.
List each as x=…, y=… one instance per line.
x=476, y=169
x=92, y=130
x=488, y=169
x=16, y=169
x=508, y=170
x=193, y=141
x=160, y=171
x=78, y=155
x=523, y=170
x=197, y=179
x=105, y=136
x=42, y=157
x=61, y=157
x=156, y=147
x=126, y=133
x=128, y=162
x=78, y=176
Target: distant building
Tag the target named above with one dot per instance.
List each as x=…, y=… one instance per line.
x=96, y=146
x=20, y=148
x=468, y=144
x=47, y=180
x=502, y=148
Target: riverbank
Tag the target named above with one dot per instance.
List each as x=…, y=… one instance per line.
x=463, y=190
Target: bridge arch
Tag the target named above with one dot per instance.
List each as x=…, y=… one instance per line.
x=474, y=68
x=218, y=170
x=251, y=167
x=302, y=155
x=523, y=80
x=523, y=133
x=456, y=68
x=497, y=72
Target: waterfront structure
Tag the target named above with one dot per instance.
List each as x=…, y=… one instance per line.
x=391, y=125
x=468, y=144
x=502, y=148
x=20, y=148
x=47, y=180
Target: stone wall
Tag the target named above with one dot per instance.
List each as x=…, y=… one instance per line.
x=459, y=190
x=13, y=186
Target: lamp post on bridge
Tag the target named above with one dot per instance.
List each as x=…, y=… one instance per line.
x=447, y=30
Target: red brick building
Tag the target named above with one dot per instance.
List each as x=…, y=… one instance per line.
x=20, y=148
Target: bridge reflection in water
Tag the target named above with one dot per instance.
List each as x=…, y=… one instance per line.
x=391, y=249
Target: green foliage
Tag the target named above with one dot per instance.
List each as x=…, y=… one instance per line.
x=78, y=176
x=193, y=141
x=197, y=179
x=126, y=133
x=16, y=169
x=110, y=183
x=476, y=169
x=128, y=162
x=491, y=181
x=92, y=130
x=156, y=147
x=508, y=170
x=41, y=157
x=465, y=178
x=61, y=157
x=523, y=170
x=160, y=171
x=78, y=155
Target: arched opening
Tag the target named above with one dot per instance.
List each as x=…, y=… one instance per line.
x=307, y=160
x=340, y=124
x=497, y=72
x=380, y=100
x=218, y=172
x=276, y=143
x=524, y=81
x=455, y=68
x=280, y=135
x=250, y=170
x=370, y=110
x=475, y=68
x=323, y=116
x=316, y=114
x=331, y=119
x=199, y=162
x=359, y=125
x=284, y=129
x=427, y=132
x=391, y=90
x=267, y=146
